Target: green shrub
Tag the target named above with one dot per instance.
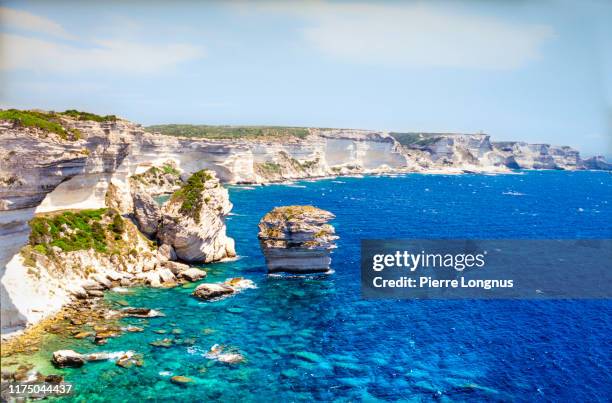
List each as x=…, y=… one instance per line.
x=190, y=195
x=47, y=121
x=270, y=167
x=72, y=231
x=230, y=132
x=117, y=226
x=80, y=115
x=416, y=139
x=41, y=249
x=169, y=169
x=41, y=120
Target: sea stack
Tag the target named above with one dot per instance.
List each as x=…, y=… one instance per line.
x=297, y=239
x=193, y=220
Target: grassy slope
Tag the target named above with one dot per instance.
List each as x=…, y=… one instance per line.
x=51, y=122
x=190, y=195
x=418, y=139
x=80, y=230
x=230, y=132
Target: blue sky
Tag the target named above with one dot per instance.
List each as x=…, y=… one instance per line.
x=534, y=71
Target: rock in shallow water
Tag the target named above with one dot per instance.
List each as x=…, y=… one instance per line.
x=167, y=342
x=212, y=290
x=234, y=285
x=297, y=239
x=141, y=312
x=175, y=267
x=68, y=358
x=221, y=354
x=192, y=274
x=181, y=380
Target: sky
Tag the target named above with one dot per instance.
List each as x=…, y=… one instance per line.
x=537, y=71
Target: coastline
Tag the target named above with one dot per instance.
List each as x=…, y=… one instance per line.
x=290, y=297
x=10, y=333
x=15, y=331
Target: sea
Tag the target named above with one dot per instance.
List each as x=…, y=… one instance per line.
x=313, y=338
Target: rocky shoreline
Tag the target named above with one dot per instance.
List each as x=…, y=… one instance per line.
x=77, y=254
x=93, y=318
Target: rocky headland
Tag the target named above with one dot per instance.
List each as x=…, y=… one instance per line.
x=297, y=239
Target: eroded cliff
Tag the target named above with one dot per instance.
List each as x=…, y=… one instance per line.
x=74, y=161
x=193, y=220
x=297, y=239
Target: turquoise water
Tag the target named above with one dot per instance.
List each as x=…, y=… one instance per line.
x=313, y=338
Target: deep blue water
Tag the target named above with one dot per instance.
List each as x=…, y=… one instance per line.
x=314, y=338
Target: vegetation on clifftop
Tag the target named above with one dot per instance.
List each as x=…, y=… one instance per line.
x=81, y=115
x=80, y=230
x=288, y=213
x=51, y=122
x=230, y=132
x=190, y=195
x=267, y=168
x=155, y=174
x=41, y=120
x=416, y=139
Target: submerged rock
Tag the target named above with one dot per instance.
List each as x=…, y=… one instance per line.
x=193, y=220
x=128, y=359
x=83, y=335
x=221, y=354
x=162, y=343
x=297, y=239
x=181, y=380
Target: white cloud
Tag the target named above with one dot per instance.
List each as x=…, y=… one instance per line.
x=22, y=52
x=19, y=52
x=415, y=35
x=33, y=23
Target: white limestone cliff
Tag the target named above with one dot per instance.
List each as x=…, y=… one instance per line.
x=42, y=278
x=41, y=172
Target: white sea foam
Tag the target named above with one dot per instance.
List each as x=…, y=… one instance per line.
x=230, y=259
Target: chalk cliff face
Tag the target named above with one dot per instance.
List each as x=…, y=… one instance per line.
x=193, y=220
x=539, y=156
x=476, y=152
x=297, y=239
x=154, y=181
x=62, y=262
x=597, y=163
